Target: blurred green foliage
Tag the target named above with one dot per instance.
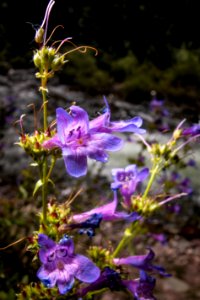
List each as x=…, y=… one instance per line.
x=133, y=80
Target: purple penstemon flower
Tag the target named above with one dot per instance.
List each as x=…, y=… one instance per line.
x=103, y=123
x=79, y=138
x=126, y=180
x=192, y=131
x=142, y=262
x=77, y=142
x=109, y=278
x=60, y=265
x=142, y=288
x=91, y=219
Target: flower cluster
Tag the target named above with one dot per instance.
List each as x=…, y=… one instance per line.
x=76, y=138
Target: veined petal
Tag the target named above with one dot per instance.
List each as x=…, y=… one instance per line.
x=131, y=125
x=99, y=155
x=87, y=271
x=80, y=118
x=76, y=164
x=64, y=121
x=106, y=141
x=100, y=123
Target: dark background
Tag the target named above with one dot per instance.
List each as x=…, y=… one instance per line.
x=143, y=45
x=149, y=28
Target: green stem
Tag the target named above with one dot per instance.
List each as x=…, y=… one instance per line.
x=45, y=167
x=129, y=234
x=154, y=172
x=44, y=191
x=44, y=98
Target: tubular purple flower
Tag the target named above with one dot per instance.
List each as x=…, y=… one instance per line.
x=77, y=141
x=103, y=123
x=105, y=212
x=126, y=180
x=142, y=262
x=60, y=265
x=142, y=288
x=109, y=278
x=192, y=131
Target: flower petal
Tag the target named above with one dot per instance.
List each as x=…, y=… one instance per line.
x=143, y=174
x=46, y=244
x=63, y=124
x=87, y=271
x=106, y=211
x=64, y=286
x=99, y=155
x=80, y=118
x=66, y=241
x=76, y=164
x=131, y=125
x=52, y=143
x=106, y=141
x=48, y=278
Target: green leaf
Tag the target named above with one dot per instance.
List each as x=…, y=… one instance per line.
x=49, y=180
x=38, y=184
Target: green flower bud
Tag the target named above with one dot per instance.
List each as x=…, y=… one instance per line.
x=37, y=60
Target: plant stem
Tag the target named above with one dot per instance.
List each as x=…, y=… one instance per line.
x=128, y=234
x=44, y=168
x=154, y=172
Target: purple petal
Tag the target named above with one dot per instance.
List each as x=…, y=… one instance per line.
x=116, y=185
x=67, y=242
x=80, y=118
x=64, y=286
x=46, y=244
x=131, y=285
x=143, y=174
x=131, y=169
x=98, y=155
x=76, y=164
x=139, y=261
x=52, y=143
x=48, y=278
x=106, y=211
x=100, y=123
x=106, y=141
x=64, y=120
x=87, y=271
x=128, y=125
x=116, y=171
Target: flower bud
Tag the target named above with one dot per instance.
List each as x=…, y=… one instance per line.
x=57, y=63
x=39, y=36
x=37, y=60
